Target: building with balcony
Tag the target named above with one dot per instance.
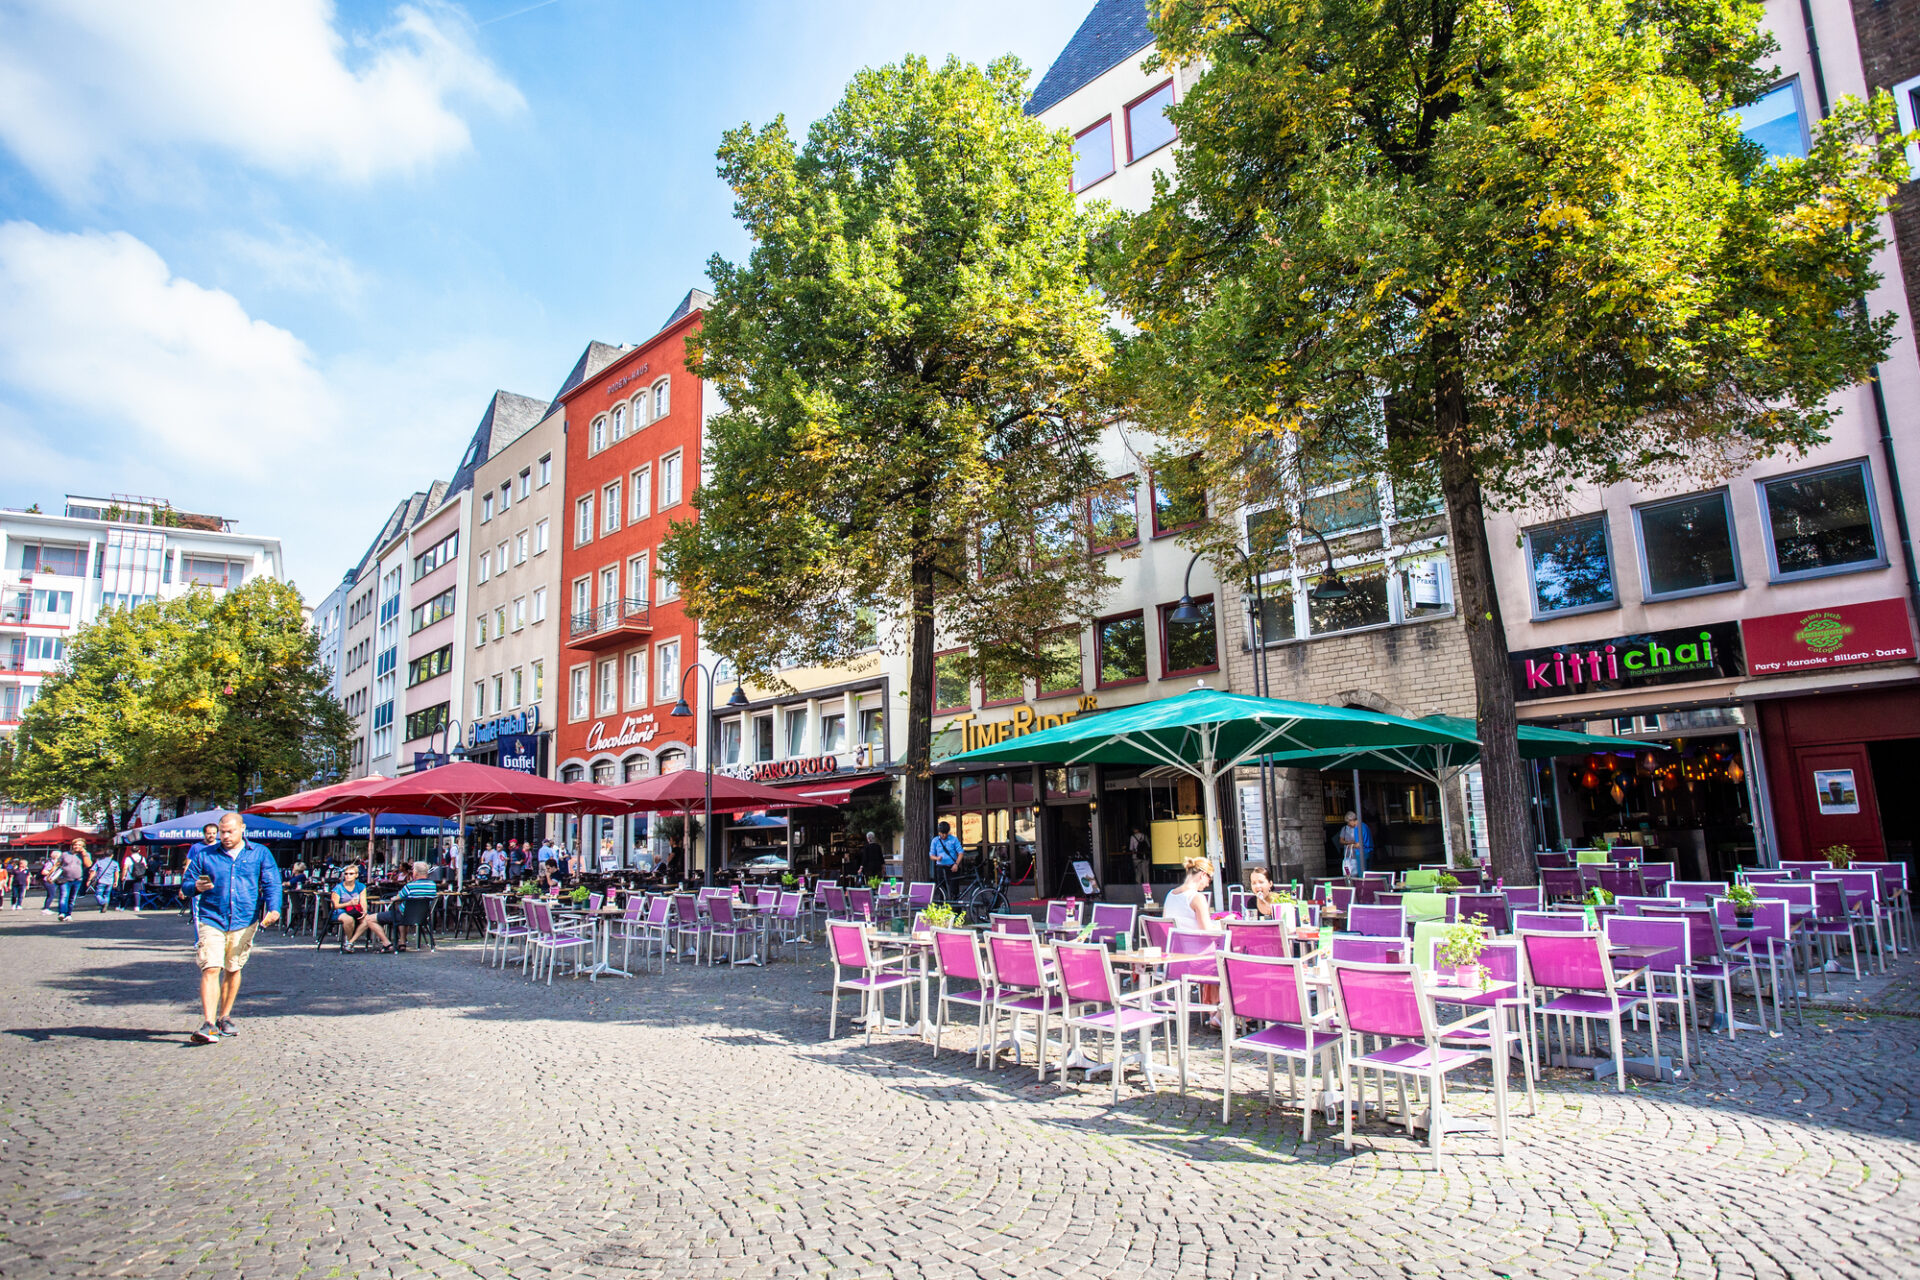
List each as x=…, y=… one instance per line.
x=59, y=571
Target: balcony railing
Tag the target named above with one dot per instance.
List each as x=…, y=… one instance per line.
x=613, y=616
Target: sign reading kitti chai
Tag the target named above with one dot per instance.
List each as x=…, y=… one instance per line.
x=1685, y=654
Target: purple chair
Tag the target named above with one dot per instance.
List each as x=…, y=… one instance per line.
x=1465, y=906
x=1895, y=902
x=1386, y=1001
x=1763, y=875
x=1633, y=906
x=1576, y=965
x=1386, y=898
x=1113, y=923
x=1024, y=990
x=834, y=898
x=1862, y=888
x=1552, y=858
x=1654, y=876
x=1708, y=960
x=1805, y=870
x=860, y=905
x=1559, y=883
x=1622, y=881
x=1772, y=929
x=1273, y=990
x=919, y=895
x=501, y=929
x=1340, y=898
x=1063, y=916
x=857, y=969
x=1369, y=950
x=551, y=941
x=1507, y=996
x=1094, y=1003
x=1624, y=855
x=1589, y=873
x=732, y=930
x=1016, y=924
x=689, y=923
x=655, y=931
x=1378, y=922
x=1256, y=938
x=1834, y=918
x=1696, y=893
x=1198, y=967
x=1526, y=898
x=1157, y=929
x=960, y=958
x=1673, y=964
x=1548, y=921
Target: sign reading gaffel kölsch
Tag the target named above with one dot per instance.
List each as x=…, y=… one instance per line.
x=1710, y=652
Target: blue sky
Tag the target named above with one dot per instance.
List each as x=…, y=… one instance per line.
x=270, y=260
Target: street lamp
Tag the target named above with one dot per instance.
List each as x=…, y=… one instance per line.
x=683, y=711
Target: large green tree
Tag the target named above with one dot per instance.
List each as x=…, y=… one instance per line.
x=196, y=698
x=1505, y=249
x=908, y=362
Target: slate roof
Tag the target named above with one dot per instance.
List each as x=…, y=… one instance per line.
x=596, y=357
x=696, y=300
x=508, y=417
x=1115, y=30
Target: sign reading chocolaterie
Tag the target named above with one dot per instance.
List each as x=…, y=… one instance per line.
x=1710, y=652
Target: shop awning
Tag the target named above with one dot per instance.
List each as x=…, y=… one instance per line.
x=829, y=791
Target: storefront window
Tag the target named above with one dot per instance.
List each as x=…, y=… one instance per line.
x=1188, y=646
x=1067, y=783
x=636, y=768
x=1276, y=612
x=1687, y=545
x=1354, y=507
x=1001, y=687
x=1122, y=644
x=1821, y=521
x=971, y=787
x=1364, y=605
x=1427, y=587
x=1572, y=566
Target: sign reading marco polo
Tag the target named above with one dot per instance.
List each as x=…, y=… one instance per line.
x=1710, y=652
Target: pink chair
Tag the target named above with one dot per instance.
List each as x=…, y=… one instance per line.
x=1834, y=918
x=1012, y=923
x=1862, y=888
x=1896, y=904
x=1696, y=892
x=1024, y=989
x=1273, y=990
x=550, y=941
x=830, y=899
x=789, y=923
x=919, y=895
x=1805, y=869
x=1552, y=858
x=870, y=976
x=959, y=958
x=732, y=930
x=501, y=928
x=1370, y=950
x=689, y=923
x=1548, y=921
x=1511, y=1029
x=1378, y=922
x=1576, y=965
x=1094, y=1003
x=1340, y=898
x=1256, y=938
x=1157, y=929
x=1637, y=906
x=1386, y=1001
x=1673, y=965
x=1196, y=967
x=655, y=932
x=860, y=905
x=1113, y=922
x=1524, y=899
x=1709, y=960
x=1559, y=883
x=1655, y=876
x=1063, y=916
x=1771, y=931
x=1465, y=906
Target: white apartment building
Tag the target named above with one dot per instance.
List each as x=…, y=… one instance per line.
x=58, y=572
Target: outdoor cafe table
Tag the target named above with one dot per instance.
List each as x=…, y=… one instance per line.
x=917, y=947
x=601, y=922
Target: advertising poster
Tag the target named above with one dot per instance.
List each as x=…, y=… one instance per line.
x=1835, y=789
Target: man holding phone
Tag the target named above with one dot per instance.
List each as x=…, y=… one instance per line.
x=232, y=879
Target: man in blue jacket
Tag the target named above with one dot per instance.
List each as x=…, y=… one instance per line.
x=232, y=880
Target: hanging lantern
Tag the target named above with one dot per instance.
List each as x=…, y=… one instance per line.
x=1645, y=763
x=1618, y=793
x=1590, y=780
x=1734, y=772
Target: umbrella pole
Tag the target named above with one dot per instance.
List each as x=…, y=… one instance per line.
x=1216, y=846
x=1446, y=817
x=460, y=853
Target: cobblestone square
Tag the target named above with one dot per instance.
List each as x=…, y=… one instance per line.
x=422, y=1115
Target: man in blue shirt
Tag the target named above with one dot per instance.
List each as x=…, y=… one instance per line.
x=235, y=887
x=945, y=853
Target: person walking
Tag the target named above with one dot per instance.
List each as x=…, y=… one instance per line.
x=136, y=878
x=945, y=853
x=1356, y=846
x=50, y=877
x=73, y=873
x=19, y=875
x=236, y=889
x=106, y=874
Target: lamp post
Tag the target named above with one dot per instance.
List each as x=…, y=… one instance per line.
x=682, y=710
x=1330, y=587
x=449, y=736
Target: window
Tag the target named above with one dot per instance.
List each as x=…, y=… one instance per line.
x=540, y=537
x=506, y=497
x=640, y=411
x=597, y=440
x=500, y=622
x=526, y=482
x=1188, y=647
x=500, y=558
x=53, y=602
x=637, y=678
x=441, y=606
x=999, y=553
x=479, y=698
x=583, y=521
x=539, y=680
x=430, y=720
x=1426, y=587
x=762, y=739
x=1148, y=128
x=833, y=734
x=669, y=481
x=730, y=741
x=610, y=508
x=1352, y=506
x=1364, y=605
x=486, y=565
x=950, y=690
x=439, y=662
x=609, y=688
x=610, y=585
x=435, y=556
x=1821, y=522
x=637, y=577
x=1113, y=515
x=546, y=470
x=666, y=685
x=577, y=692
x=619, y=422
x=1061, y=652
x=1686, y=546
x=1120, y=646
x=659, y=400
x=486, y=508
x=1179, y=500
x=520, y=547
x=515, y=684
x=1093, y=154
x=45, y=648
x=1571, y=565
x=539, y=604
x=582, y=597
x=479, y=631
x=499, y=693
x=667, y=589
x=519, y=612
x=998, y=688
x=1906, y=108
x=796, y=733
x=642, y=488
x=1776, y=122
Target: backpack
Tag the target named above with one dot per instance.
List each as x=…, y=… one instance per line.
x=136, y=867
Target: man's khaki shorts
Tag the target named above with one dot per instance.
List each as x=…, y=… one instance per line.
x=222, y=950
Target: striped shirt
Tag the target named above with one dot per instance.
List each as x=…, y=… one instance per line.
x=419, y=889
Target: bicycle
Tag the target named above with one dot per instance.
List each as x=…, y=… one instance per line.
x=979, y=896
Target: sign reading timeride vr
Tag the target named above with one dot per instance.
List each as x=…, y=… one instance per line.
x=1845, y=635
x=1683, y=655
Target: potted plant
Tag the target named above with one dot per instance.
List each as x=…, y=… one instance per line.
x=1598, y=897
x=1838, y=856
x=1460, y=947
x=1447, y=882
x=579, y=895
x=1742, y=899
x=939, y=915
x=788, y=880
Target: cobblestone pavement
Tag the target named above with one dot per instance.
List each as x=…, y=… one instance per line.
x=421, y=1115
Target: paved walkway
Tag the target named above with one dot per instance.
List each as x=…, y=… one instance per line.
x=420, y=1115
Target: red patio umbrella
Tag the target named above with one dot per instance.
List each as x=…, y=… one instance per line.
x=318, y=800
x=55, y=835
x=685, y=790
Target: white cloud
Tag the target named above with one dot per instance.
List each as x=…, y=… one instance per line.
x=294, y=262
x=93, y=84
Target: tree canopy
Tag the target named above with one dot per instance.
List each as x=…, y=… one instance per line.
x=194, y=698
x=908, y=362
x=1501, y=249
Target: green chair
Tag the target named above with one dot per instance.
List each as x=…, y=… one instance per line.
x=1424, y=906
x=1425, y=933
x=1425, y=878
x=1587, y=857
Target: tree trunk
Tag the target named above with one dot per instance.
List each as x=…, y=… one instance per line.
x=919, y=775
x=1503, y=776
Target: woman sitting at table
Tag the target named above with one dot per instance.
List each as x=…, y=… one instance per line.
x=350, y=910
x=1188, y=906
x=1260, y=892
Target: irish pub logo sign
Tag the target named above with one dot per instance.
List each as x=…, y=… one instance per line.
x=1679, y=656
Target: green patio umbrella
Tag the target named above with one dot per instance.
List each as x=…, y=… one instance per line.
x=1441, y=762
x=1208, y=733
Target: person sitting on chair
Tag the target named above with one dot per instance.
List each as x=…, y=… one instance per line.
x=421, y=886
x=350, y=910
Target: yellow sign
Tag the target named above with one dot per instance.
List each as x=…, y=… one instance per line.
x=1024, y=720
x=1177, y=839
